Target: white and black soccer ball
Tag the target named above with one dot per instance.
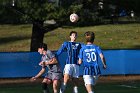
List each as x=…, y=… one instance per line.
x=74, y=17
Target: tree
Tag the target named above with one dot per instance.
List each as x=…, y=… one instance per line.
x=37, y=12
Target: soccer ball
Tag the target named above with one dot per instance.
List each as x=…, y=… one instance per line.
x=74, y=17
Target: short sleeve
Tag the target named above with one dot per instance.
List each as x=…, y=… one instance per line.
x=50, y=54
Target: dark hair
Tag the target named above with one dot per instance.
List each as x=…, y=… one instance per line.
x=73, y=32
x=90, y=36
x=43, y=45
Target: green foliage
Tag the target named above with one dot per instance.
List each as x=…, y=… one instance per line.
x=27, y=10
x=37, y=9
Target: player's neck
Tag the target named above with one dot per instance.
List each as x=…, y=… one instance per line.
x=88, y=43
x=72, y=41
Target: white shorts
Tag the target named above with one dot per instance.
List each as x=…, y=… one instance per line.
x=72, y=70
x=88, y=79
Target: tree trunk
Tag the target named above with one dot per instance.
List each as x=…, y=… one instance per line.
x=37, y=35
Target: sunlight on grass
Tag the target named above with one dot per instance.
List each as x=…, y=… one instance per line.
x=118, y=36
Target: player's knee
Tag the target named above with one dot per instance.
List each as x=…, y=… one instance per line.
x=47, y=81
x=66, y=77
x=55, y=84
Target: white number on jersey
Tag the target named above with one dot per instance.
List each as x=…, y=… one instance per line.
x=91, y=56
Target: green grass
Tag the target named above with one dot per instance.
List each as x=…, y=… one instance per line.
x=15, y=37
x=99, y=88
x=118, y=36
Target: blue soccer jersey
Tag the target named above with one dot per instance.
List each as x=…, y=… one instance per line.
x=89, y=55
x=72, y=49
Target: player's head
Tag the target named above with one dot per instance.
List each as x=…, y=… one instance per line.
x=90, y=36
x=73, y=35
x=42, y=47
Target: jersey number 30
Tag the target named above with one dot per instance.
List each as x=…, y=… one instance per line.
x=91, y=56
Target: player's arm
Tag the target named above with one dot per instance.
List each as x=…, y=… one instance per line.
x=103, y=60
x=80, y=56
x=52, y=57
x=39, y=74
x=102, y=57
x=80, y=61
x=61, y=49
x=42, y=63
x=52, y=61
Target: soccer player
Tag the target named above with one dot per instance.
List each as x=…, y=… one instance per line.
x=54, y=72
x=89, y=56
x=71, y=69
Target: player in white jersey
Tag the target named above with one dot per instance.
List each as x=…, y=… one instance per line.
x=89, y=56
x=54, y=72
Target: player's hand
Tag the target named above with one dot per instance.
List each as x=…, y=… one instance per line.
x=41, y=63
x=33, y=79
x=104, y=66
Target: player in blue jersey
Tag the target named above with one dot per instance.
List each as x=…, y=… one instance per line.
x=54, y=74
x=89, y=56
x=71, y=69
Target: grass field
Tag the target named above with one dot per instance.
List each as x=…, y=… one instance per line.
x=114, y=87
x=119, y=36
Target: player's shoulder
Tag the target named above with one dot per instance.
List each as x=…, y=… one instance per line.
x=49, y=51
x=83, y=46
x=65, y=42
x=91, y=45
x=80, y=43
x=96, y=46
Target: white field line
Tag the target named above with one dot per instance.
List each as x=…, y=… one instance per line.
x=128, y=86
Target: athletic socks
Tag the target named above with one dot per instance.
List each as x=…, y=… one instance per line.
x=63, y=87
x=91, y=92
x=45, y=88
x=75, y=89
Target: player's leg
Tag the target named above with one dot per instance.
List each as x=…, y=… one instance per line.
x=45, y=84
x=96, y=74
x=56, y=78
x=89, y=82
x=75, y=78
x=89, y=88
x=67, y=73
x=75, y=82
x=64, y=83
x=56, y=84
x=95, y=78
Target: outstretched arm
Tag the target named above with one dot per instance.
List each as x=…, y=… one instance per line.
x=103, y=60
x=61, y=49
x=38, y=75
